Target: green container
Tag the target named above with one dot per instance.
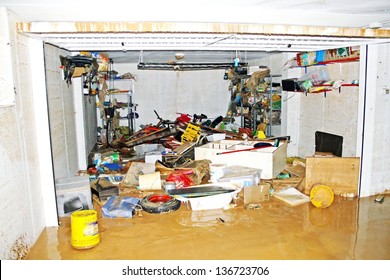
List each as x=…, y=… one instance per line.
x=277, y=105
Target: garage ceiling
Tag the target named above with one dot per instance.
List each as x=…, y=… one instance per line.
x=204, y=30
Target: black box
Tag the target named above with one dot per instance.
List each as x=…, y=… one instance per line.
x=290, y=85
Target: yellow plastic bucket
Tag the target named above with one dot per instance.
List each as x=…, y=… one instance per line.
x=321, y=196
x=84, y=229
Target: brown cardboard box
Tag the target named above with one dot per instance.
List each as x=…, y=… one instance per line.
x=256, y=194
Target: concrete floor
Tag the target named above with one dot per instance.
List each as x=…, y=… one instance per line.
x=350, y=229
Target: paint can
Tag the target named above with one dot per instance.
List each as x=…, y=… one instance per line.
x=321, y=196
x=84, y=229
x=216, y=171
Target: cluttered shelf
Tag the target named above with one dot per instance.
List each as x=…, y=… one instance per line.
x=323, y=57
x=306, y=86
x=318, y=80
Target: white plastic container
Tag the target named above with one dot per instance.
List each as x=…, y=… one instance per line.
x=241, y=175
x=216, y=137
x=216, y=172
x=271, y=160
x=217, y=201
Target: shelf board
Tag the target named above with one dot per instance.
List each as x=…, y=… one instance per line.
x=351, y=59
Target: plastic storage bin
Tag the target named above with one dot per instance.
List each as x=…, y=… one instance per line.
x=73, y=194
x=241, y=175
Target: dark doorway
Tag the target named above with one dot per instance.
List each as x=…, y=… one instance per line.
x=329, y=143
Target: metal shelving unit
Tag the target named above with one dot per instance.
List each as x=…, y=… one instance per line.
x=271, y=92
x=259, y=118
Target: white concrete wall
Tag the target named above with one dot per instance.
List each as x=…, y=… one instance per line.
x=335, y=113
x=381, y=155
x=374, y=125
x=303, y=115
x=23, y=186
x=170, y=92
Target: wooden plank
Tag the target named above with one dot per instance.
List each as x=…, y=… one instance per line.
x=198, y=27
x=341, y=174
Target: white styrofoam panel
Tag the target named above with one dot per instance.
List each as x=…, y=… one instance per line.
x=61, y=116
x=43, y=155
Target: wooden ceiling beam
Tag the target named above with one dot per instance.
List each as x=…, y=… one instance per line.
x=197, y=27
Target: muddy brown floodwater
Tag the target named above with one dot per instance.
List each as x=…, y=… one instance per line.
x=349, y=229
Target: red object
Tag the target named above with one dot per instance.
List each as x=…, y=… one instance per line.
x=92, y=170
x=249, y=149
x=183, y=118
x=150, y=129
x=248, y=131
x=299, y=59
x=181, y=178
x=157, y=198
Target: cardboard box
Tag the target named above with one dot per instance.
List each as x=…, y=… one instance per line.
x=73, y=194
x=151, y=181
x=78, y=72
x=271, y=160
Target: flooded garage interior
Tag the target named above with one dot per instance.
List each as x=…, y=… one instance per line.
x=54, y=129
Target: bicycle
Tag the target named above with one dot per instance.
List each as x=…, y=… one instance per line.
x=109, y=126
x=151, y=133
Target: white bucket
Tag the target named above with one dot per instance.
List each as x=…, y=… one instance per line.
x=216, y=171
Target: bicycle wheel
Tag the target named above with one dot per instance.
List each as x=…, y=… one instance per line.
x=110, y=133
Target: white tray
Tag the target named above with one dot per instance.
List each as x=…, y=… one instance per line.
x=216, y=201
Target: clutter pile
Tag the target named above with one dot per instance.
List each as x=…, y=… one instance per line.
x=224, y=174
x=208, y=174
x=161, y=174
